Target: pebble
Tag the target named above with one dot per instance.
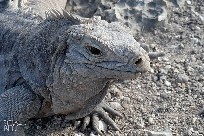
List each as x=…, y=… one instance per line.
x=182, y=78
x=140, y=125
x=116, y=105
x=151, y=120
x=92, y=134
x=181, y=46
x=162, y=133
x=79, y=134
x=164, y=59
x=116, y=92
x=163, y=71
x=126, y=99
x=195, y=40
x=165, y=95
x=167, y=66
x=194, y=120
x=176, y=70
x=188, y=2
x=167, y=83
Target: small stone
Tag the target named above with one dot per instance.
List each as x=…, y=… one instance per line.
x=190, y=131
x=155, y=78
x=176, y=70
x=139, y=86
x=181, y=46
x=167, y=83
x=92, y=134
x=151, y=120
x=117, y=92
x=108, y=96
x=153, y=45
x=140, y=125
x=116, y=105
x=194, y=120
x=197, y=27
x=182, y=78
x=126, y=99
x=164, y=95
x=162, y=133
x=188, y=2
x=167, y=66
x=163, y=71
x=195, y=40
x=165, y=59
x=193, y=59
x=79, y=134
x=152, y=70
x=163, y=78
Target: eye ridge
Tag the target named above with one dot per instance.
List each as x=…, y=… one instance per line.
x=94, y=50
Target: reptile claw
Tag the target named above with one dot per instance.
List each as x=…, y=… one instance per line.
x=102, y=111
x=111, y=110
x=95, y=120
x=85, y=123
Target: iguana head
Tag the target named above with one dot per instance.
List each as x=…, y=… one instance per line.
x=89, y=55
x=100, y=49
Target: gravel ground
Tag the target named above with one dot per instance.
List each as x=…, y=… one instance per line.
x=167, y=101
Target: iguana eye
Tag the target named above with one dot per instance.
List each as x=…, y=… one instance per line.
x=94, y=51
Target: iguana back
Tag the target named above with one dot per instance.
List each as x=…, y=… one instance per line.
x=11, y=25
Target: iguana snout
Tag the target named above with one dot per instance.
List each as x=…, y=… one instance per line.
x=142, y=61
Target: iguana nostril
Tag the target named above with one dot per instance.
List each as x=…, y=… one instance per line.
x=138, y=61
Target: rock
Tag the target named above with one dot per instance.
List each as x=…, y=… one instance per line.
x=137, y=15
x=126, y=99
x=194, y=120
x=201, y=113
x=167, y=83
x=150, y=120
x=180, y=3
x=182, y=78
x=163, y=71
x=92, y=134
x=188, y=2
x=162, y=133
x=79, y=134
x=168, y=67
x=195, y=40
x=140, y=124
x=181, y=46
x=116, y=105
x=117, y=92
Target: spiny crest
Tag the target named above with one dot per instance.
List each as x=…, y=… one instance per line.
x=61, y=14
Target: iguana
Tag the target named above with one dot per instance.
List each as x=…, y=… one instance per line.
x=63, y=65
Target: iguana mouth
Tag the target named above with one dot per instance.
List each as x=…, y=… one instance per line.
x=138, y=70
x=113, y=72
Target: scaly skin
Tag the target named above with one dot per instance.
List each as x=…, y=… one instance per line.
x=64, y=65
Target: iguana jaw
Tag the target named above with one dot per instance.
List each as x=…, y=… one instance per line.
x=125, y=71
